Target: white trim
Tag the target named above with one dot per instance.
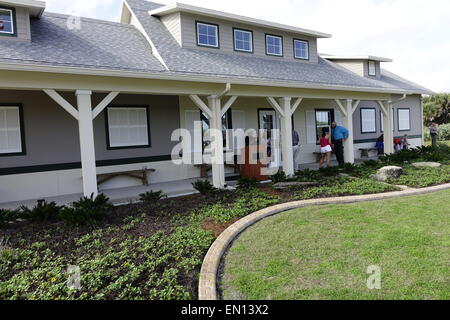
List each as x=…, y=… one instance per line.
x=216, y=27
x=251, y=40
x=144, y=33
x=349, y=57
x=182, y=7
x=281, y=45
x=8, y=129
x=36, y=7
x=399, y=110
x=125, y=124
x=102, y=105
x=201, y=105
x=198, y=78
x=307, y=49
x=62, y=102
x=368, y=117
x=12, y=20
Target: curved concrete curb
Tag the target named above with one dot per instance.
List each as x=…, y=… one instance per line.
x=208, y=285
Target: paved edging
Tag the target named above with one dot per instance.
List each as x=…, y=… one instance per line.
x=208, y=275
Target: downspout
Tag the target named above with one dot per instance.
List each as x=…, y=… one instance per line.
x=398, y=100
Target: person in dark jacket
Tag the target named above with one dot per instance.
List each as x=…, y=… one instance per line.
x=338, y=135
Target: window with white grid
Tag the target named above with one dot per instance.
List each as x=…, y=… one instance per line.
x=128, y=127
x=10, y=131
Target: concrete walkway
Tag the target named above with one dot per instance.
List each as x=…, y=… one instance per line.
x=208, y=274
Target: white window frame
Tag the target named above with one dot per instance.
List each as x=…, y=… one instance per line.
x=5, y=130
x=216, y=27
x=372, y=65
x=12, y=15
x=235, y=30
x=364, y=121
x=400, y=128
x=267, y=45
x=295, y=49
x=114, y=145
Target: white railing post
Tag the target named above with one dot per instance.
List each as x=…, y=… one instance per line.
x=87, y=146
x=286, y=136
x=349, y=152
x=217, y=158
x=388, y=130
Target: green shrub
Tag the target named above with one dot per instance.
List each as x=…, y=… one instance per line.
x=280, y=176
x=86, y=211
x=350, y=168
x=43, y=211
x=204, y=187
x=7, y=216
x=443, y=133
x=402, y=156
x=345, y=187
x=307, y=175
x=372, y=164
x=329, y=172
x=152, y=196
x=247, y=183
x=423, y=177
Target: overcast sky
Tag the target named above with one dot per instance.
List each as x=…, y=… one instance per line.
x=414, y=33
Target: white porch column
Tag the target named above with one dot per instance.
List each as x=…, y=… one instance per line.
x=87, y=147
x=388, y=129
x=218, y=164
x=286, y=136
x=349, y=153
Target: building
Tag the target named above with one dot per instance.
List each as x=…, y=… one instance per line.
x=82, y=97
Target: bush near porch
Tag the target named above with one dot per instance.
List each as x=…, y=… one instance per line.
x=154, y=249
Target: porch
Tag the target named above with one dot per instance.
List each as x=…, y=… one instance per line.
x=68, y=132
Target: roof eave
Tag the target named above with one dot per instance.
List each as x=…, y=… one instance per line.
x=36, y=8
x=162, y=75
x=181, y=7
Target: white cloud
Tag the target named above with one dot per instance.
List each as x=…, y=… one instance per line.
x=414, y=33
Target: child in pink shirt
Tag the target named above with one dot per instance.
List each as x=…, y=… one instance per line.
x=325, y=150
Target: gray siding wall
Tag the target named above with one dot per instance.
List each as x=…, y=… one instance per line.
x=360, y=67
x=22, y=25
x=411, y=102
x=51, y=134
x=188, y=36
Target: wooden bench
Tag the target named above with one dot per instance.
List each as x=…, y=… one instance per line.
x=205, y=168
x=138, y=174
x=365, y=151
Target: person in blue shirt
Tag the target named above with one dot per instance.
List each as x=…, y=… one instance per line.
x=338, y=135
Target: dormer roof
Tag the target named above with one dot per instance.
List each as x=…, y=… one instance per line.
x=36, y=8
x=182, y=7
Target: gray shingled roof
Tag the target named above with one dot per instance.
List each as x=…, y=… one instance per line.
x=202, y=62
x=113, y=46
x=98, y=44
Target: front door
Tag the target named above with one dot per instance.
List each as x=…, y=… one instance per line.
x=268, y=120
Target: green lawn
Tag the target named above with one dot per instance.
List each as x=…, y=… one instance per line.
x=324, y=252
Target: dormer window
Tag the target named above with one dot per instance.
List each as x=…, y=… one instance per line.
x=301, y=49
x=207, y=35
x=372, y=68
x=243, y=40
x=274, y=45
x=7, y=22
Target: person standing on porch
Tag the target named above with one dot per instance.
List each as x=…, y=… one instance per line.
x=338, y=135
x=325, y=150
x=433, y=133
